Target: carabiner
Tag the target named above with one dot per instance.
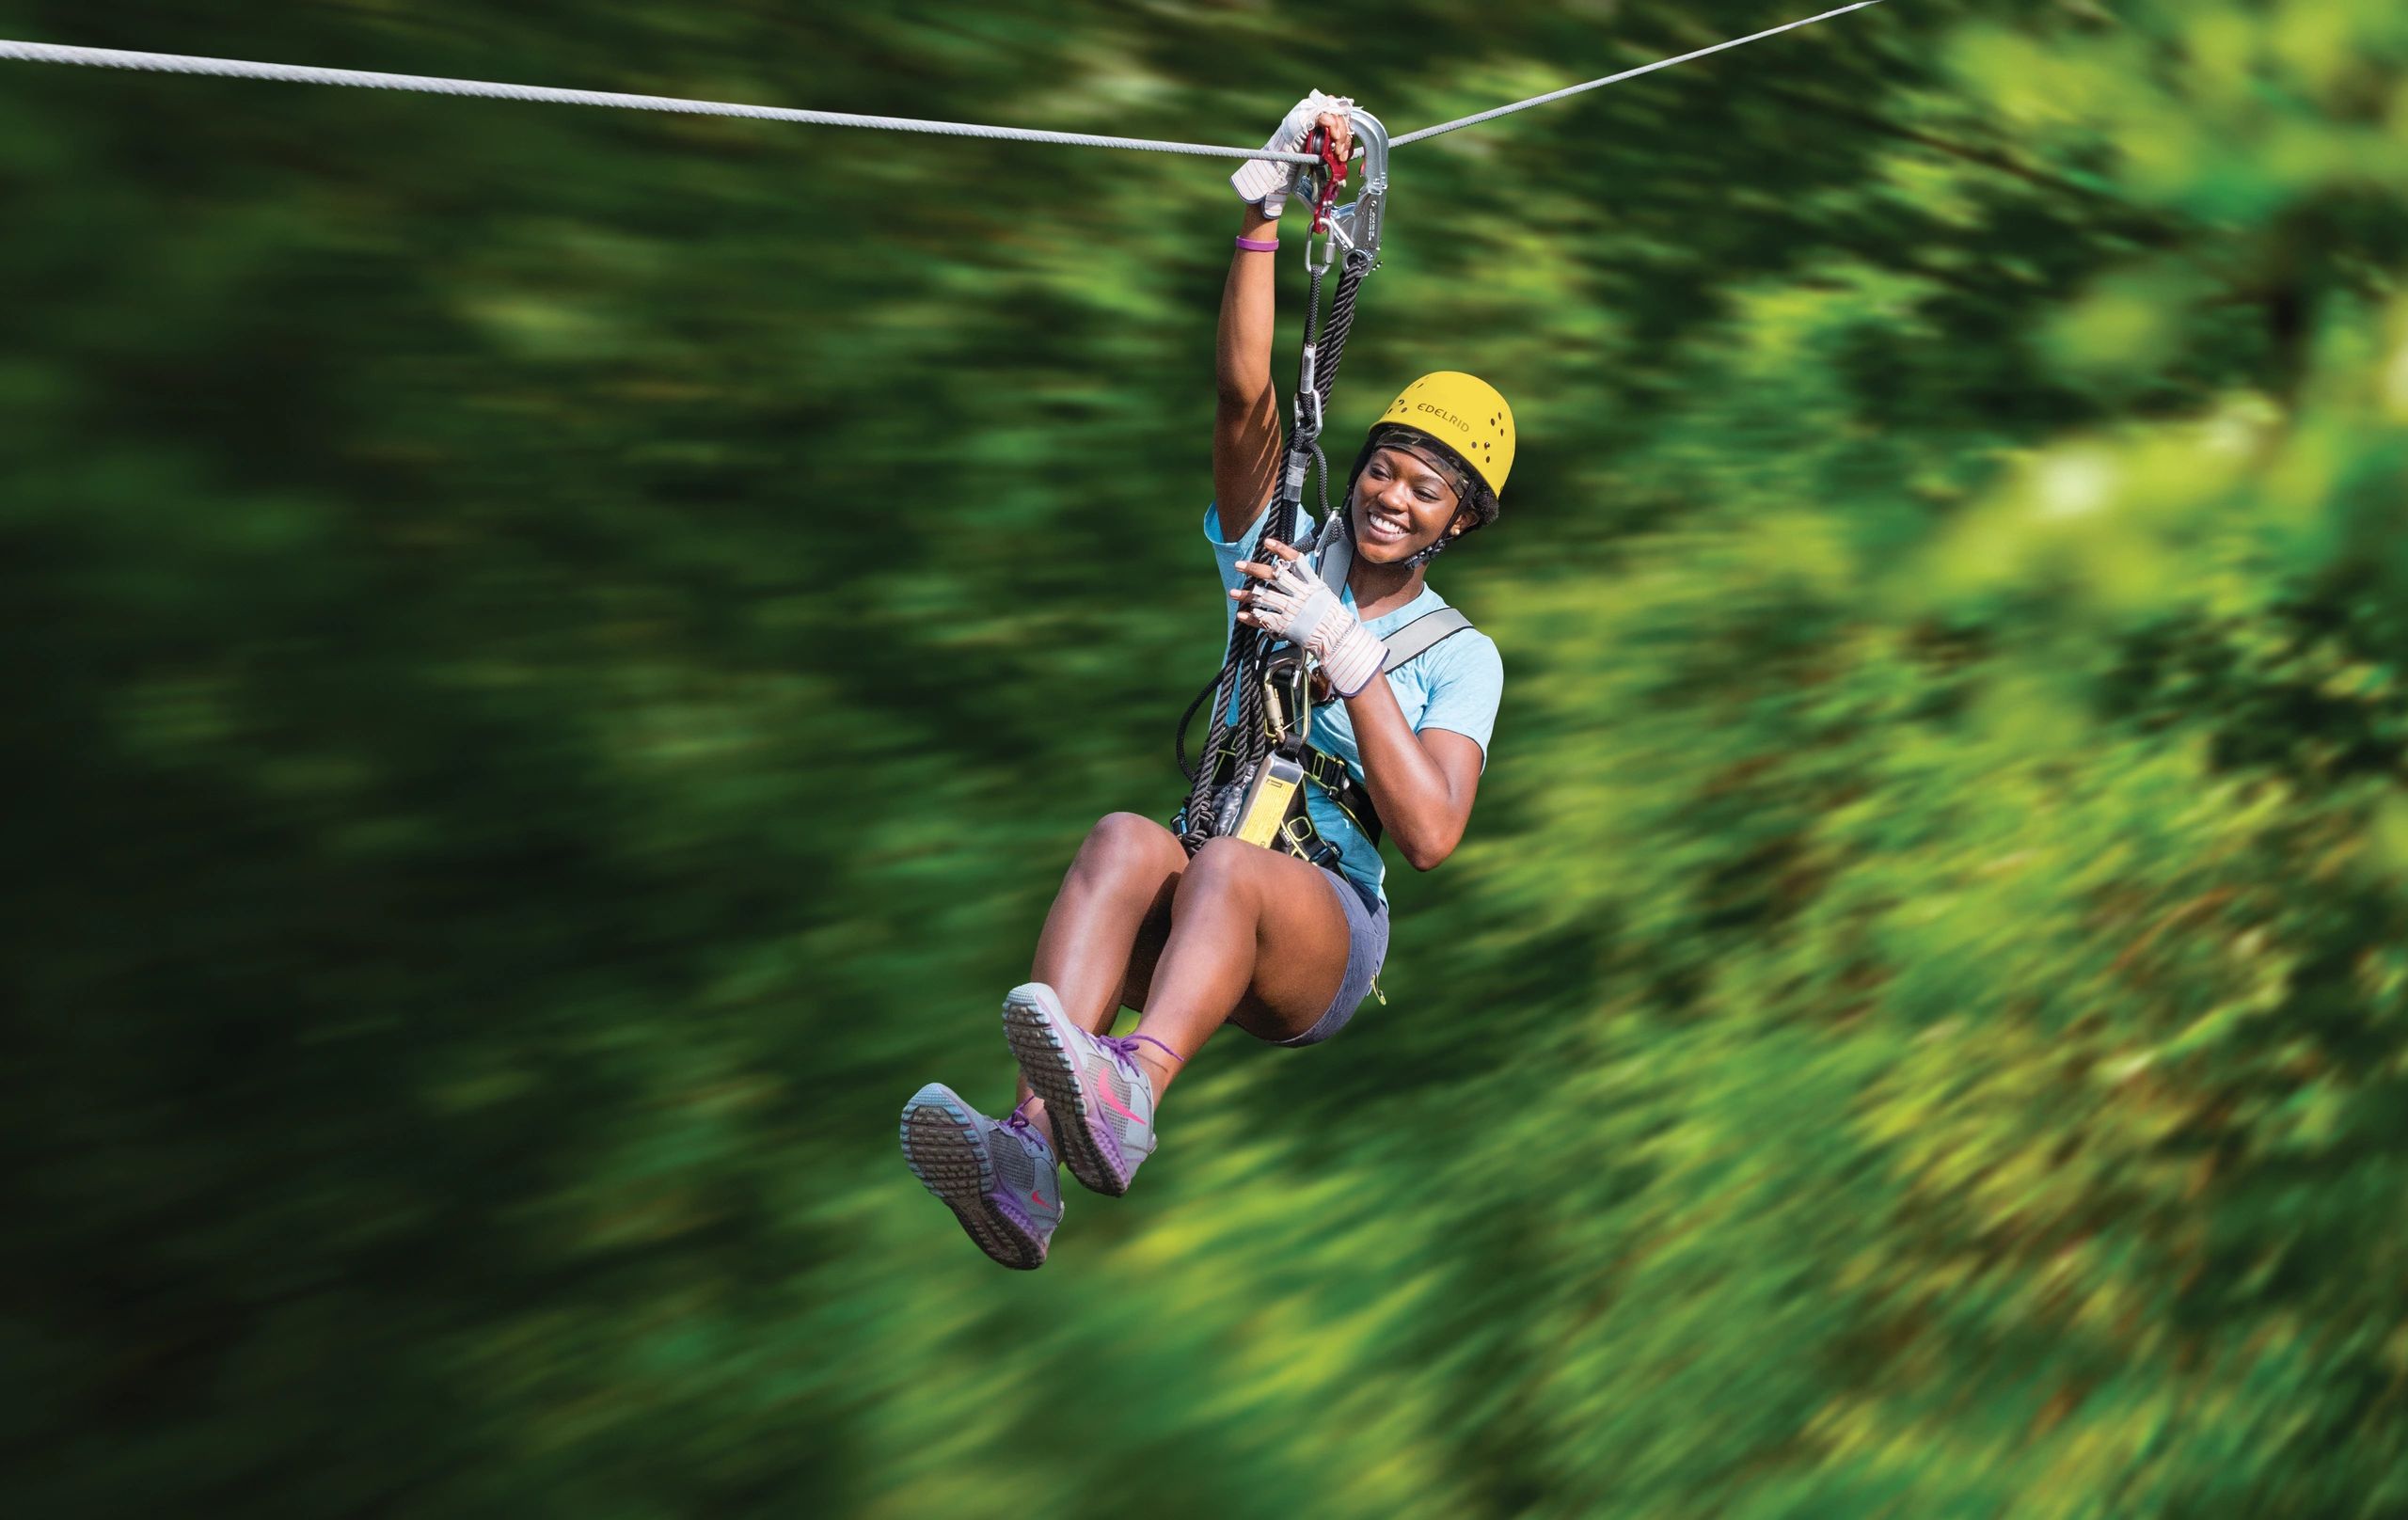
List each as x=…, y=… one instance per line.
x=1289, y=667
x=1324, y=182
x=1357, y=225
x=1320, y=250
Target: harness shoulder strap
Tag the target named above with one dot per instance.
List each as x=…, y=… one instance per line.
x=1338, y=556
x=1416, y=638
x=1337, y=552
x=1327, y=770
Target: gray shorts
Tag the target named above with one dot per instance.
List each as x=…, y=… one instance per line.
x=1367, y=948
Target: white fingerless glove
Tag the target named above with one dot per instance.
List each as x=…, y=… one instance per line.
x=1268, y=180
x=1297, y=605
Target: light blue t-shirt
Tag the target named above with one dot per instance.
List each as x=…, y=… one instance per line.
x=1454, y=685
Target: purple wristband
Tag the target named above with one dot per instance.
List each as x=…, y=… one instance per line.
x=1258, y=246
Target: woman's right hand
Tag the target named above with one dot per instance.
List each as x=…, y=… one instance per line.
x=1290, y=600
x=1266, y=181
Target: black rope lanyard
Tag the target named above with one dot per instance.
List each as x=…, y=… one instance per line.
x=1233, y=747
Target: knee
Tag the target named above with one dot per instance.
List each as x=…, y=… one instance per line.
x=1121, y=844
x=1220, y=864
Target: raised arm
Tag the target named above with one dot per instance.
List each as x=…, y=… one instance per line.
x=1245, y=424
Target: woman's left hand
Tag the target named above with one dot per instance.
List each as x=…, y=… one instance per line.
x=1288, y=600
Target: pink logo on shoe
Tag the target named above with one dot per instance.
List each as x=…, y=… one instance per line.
x=1105, y=1095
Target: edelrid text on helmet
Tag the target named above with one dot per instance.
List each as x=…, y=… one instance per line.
x=1468, y=415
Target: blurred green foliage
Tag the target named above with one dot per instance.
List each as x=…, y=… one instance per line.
x=555, y=670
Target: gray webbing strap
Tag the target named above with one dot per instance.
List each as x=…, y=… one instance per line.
x=1338, y=556
x=1418, y=635
x=1336, y=553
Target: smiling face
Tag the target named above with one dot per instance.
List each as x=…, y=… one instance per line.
x=1401, y=506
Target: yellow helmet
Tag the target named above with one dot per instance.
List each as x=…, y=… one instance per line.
x=1465, y=415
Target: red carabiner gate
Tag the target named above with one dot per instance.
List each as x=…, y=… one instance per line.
x=1333, y=171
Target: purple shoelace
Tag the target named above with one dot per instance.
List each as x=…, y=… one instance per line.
x=1031, y=1137
x=1126, y=1046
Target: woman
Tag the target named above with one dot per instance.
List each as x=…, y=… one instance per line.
x=1243, y=934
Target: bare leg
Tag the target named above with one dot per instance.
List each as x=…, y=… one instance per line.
x=1107, y=927
x=1256, y=938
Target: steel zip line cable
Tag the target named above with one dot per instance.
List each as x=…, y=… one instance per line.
x=1627, y=74
x=177, y=63
x=289, y=73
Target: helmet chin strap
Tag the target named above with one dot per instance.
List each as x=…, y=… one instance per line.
x=1417, y=561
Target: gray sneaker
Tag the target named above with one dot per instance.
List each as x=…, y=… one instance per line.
x=1101, y=1100
x=998, y=1176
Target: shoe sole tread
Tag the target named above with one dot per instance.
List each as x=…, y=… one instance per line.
x=942, y=1146
x=1052, y=1075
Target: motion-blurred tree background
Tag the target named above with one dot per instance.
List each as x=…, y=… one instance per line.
x=557, y=658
